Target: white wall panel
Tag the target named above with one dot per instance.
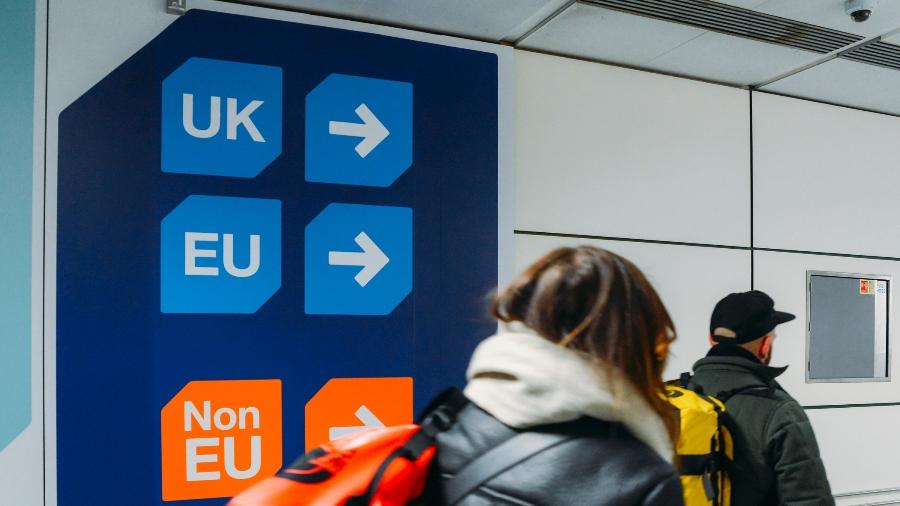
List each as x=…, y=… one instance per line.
x=825, y=177
x=614, y=152
x=783, y=276
x=689, y=279
x=857, y=446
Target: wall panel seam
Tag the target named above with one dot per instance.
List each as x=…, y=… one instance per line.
x=752, y=263
x=869, y=492
x=847, y=406
x=629, y=239
x=828, y=253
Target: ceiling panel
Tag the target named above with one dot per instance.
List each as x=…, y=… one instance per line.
x=845, y=82
x=831, y=14
x=598, y=33
x=729, y=59
x=602, y=34
x=488, y=20
x=592, y=32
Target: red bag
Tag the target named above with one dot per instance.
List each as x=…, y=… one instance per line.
x=376, y=467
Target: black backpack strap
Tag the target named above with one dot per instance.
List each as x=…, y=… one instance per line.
x=766, y=391
x=685, y=381
x=451, y=401
x=439, y=415
x=499, y=459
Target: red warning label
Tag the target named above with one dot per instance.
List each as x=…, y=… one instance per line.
x=867, y=287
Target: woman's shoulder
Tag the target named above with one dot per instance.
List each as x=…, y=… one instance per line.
x=593, y=442
x=601, y=463
x=612, y=442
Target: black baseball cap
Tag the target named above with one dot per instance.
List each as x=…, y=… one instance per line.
x=743, y=317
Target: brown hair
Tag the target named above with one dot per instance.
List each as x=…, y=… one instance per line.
x=597, y=302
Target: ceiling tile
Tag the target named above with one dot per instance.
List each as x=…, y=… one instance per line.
x=491, y=20
x=602, y=34
x=537, y=18
x=729, y=59
x=831, y=14
x=845, y=82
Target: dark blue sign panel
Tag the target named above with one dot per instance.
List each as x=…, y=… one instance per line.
x=250, y=210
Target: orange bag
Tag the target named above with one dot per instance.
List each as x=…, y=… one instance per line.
x=377, y=467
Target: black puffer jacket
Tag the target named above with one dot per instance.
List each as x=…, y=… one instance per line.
x=604, y=465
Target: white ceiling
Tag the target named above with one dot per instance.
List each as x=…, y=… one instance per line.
x=828, y=13
x=847, y=83
x=892, y=39
x=587, y=31
x=482, y=19
x=732, y=60
x=597, y=33
x=602, y=34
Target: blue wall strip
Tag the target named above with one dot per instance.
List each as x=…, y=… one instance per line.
x=16, y=157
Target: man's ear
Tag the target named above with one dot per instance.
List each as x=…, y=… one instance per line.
x=712, y=342
x=766, y=347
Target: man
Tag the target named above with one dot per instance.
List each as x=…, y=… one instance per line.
x=776, y=456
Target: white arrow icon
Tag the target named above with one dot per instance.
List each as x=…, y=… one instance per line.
x=371, y=130
x=365, y=416
x=371, y=259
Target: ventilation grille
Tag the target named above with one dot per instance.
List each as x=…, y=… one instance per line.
x=731, y=20
x=876, y=53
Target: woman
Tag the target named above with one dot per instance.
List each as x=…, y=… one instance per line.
x=580, y=360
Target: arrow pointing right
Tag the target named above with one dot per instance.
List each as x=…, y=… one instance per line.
x=372, y=130
x=364, y=415
x=371, y=259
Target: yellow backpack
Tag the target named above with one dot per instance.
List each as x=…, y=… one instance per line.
x=705, y=446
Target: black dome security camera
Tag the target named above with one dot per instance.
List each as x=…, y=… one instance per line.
x=860, y=10
x=860, y=15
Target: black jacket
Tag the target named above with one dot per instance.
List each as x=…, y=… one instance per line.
x=604, y=465
x=776, y=456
